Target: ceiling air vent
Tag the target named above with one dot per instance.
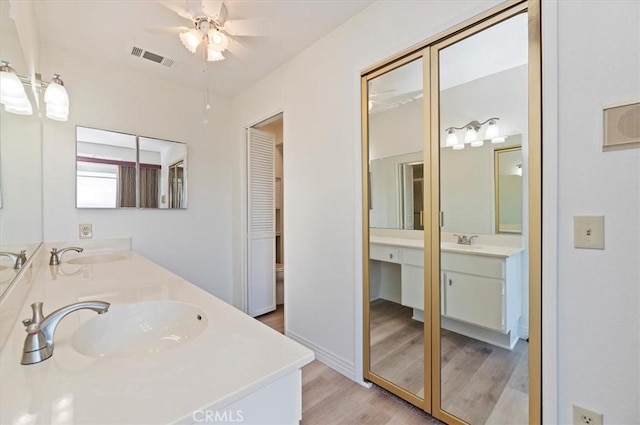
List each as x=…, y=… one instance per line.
x=145, y=54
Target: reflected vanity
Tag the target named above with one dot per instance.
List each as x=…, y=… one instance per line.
x=119, y=170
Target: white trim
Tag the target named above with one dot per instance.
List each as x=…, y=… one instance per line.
x=549, y=18
x=358, y=315
x=335, y=362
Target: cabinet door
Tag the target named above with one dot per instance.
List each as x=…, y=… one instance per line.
x=413, y=286
x=474, y=299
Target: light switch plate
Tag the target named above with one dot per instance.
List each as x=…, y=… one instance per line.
x=86, y=231
x=588, y=231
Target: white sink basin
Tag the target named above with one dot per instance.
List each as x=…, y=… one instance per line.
x=96, y=259
x=140, y=329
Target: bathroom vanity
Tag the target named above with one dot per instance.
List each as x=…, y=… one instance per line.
x=195, y=359
x=481, y=285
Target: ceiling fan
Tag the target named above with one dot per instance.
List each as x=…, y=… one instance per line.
x=209, y=26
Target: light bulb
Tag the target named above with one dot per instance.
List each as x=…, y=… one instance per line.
x=55, y=94
x=12, y=90
x=191, y=39
x=217, y=40
x=57, y=113
x=492, y=131
x=214, y=55
x=477, y=143
x=21, y=107
x=471, y=135
x=452, y=139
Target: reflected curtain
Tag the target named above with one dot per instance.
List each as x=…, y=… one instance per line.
x=126, y=196
x=149, y=187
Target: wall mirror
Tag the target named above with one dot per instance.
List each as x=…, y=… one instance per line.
x=508, y=190
x=20, y=167
x=396, y=138
x=119, y=170
x=483, y=122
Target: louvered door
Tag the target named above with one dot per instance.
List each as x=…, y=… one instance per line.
x=261, y=222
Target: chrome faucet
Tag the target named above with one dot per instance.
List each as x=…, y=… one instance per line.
x=466, y=240
x=17, y=259
x=56, y=254
x=38, y=345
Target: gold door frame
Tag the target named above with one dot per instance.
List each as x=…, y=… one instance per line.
x=428, y=50
x=496, y=185
x=424, y=404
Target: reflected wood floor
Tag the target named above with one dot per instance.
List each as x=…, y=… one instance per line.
x=329, y=398
x=481, y=383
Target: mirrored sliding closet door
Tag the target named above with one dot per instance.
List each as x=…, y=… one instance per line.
x=483, y=132
x=395, y=111
x=452, y=220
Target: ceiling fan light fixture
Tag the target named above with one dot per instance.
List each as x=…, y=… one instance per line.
x=217, y=40
x=214, y=55
x=191, y=39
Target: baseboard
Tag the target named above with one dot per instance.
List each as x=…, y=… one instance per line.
x=335, y=362
x=523, y=330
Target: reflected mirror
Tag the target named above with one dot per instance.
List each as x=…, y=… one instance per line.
x=396, y=307
x=483, y=91
x=119, y=170
x=508, y=190
x=20, y=167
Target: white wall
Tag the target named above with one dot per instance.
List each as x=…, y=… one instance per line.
x=598, y=291
x=193, y=243
x=319, y=91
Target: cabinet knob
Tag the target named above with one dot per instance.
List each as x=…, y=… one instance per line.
x=450, y=282
x=390, y=256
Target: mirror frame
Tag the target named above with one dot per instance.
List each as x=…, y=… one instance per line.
x=429, y=50
x=496, y=188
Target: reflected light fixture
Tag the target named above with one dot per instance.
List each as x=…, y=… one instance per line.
x=471, y=134
x=217, y=40
x=14, y=97
x=519, y=169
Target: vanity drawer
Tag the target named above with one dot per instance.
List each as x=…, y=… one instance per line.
x=386, y=253
x=473, y=264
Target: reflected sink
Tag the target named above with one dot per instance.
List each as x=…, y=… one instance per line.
x=96, y=259
x=453, y=245
x=140, y=329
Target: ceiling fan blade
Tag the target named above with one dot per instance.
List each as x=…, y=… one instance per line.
x=178, y=10
x=246, y=27
x=213, y=9
x=237, y=49
x=166, y=30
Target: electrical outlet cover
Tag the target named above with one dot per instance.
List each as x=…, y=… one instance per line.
x=86, y=231
x=582, y=416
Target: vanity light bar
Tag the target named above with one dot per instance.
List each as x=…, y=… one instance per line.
x=14, y=97
x=471, y=134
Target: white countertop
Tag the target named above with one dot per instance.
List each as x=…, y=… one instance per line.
x=479, y=249
x=233, y=357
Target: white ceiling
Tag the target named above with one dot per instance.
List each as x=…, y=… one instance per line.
x=108, y=29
